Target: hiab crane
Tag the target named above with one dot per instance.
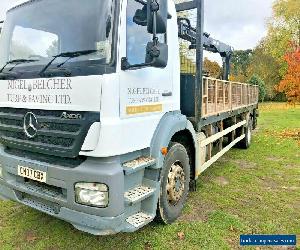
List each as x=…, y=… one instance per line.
x=188, y=33
x=98, y=125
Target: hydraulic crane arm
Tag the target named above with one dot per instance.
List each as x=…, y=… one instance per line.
x=189, y=33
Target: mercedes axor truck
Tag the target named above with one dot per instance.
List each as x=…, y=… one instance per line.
x=102, y=123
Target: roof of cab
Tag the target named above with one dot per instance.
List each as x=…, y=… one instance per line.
x=19, y=2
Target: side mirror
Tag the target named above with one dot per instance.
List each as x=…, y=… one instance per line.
x=140, y=17
x=157, y=16
x=157, y=54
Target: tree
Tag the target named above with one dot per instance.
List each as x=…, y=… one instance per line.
x=283, y=28
x=267, y=67
x=290, y=85
x=256, y=80
x=240, y=63
x=212, y=68
x=287, y=16
x=187, y=58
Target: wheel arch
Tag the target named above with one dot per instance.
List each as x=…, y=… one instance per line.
x=186, y=138
x=174, y=127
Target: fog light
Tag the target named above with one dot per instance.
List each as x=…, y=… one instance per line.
x=91, y=194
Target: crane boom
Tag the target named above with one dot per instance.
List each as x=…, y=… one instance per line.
x=189, y=33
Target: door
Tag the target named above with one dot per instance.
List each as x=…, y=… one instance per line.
x=148, y=90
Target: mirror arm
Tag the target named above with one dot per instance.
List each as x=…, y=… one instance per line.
x=154, y=9
x=155, y=38
x=154, y=28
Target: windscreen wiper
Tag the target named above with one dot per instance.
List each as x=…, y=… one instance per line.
x=17, y=62
x=69, y=55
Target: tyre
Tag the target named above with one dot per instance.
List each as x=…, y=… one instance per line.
x=246, y=142
x=175, y=178
x=255, y=115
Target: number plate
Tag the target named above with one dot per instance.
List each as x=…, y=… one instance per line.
x=32, y=174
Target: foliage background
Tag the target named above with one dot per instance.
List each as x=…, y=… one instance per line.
x=275, y=60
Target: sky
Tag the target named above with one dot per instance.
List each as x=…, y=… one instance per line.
x=239, y=23
x=4, y=5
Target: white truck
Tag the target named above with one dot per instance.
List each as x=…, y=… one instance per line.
x=100, y=124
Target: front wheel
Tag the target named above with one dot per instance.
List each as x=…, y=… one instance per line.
x=175, y=180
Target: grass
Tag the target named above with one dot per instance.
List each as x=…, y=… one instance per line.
x=246, y=192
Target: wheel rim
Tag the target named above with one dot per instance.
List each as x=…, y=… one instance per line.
x=176, y=183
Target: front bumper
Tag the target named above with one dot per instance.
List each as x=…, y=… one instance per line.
x=57, y=196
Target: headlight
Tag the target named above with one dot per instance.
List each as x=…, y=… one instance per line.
x=1, y=172
x=91, y=194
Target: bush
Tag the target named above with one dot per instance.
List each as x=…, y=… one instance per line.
x=256, y=80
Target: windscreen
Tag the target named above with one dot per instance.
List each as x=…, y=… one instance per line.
x=41, y=29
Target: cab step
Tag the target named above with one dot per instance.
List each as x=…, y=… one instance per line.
x=139, y=219
x=138, y=164
x=138, y=194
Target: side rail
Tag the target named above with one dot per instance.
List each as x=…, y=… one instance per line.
x=211, y=146
x=222, y=96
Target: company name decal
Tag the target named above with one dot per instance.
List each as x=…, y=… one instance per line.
x=30, y=91
x=143, y=95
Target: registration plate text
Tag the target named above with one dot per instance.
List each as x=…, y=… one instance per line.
x=32, y=174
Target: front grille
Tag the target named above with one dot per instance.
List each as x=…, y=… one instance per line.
x=50, y=140
x=52, y=160
x=55, y=136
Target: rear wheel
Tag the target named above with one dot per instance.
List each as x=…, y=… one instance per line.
x=175, y=180
x=246, y=142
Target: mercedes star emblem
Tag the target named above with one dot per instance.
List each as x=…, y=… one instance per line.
x=30, y=125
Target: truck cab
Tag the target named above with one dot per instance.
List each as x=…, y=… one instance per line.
x=98, y=126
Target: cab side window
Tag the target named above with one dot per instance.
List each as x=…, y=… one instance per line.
x=137, y=36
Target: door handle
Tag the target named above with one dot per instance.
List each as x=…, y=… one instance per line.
x=167, y=94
